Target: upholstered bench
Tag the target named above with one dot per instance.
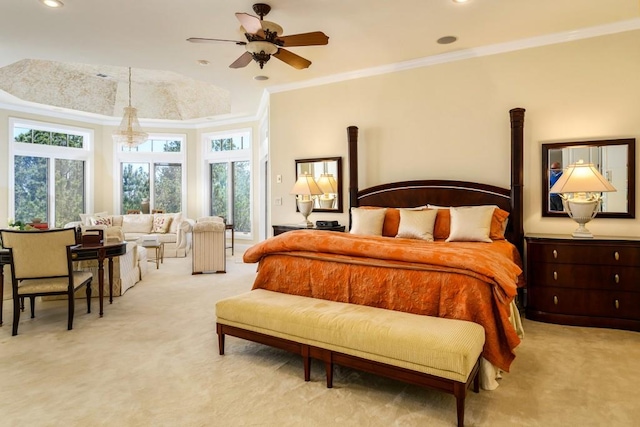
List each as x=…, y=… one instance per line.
x=428, y=351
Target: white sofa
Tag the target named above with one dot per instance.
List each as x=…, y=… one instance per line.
x=130, y=268
x=171, y=228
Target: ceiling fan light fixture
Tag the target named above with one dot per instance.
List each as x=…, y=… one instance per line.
x=271, y=27
x=261, y=47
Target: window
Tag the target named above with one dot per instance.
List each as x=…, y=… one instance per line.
x=49, y=172
x=153, y=172
x=228, y=156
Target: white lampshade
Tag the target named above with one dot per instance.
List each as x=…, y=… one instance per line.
x=327, y=183
x=580, y=186
x=306, y=186
x=581, y=178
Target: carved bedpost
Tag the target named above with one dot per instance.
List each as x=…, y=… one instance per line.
x=352, y=134
x=517, y=176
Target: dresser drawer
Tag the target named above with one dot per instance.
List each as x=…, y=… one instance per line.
x=588, y=252
x=604, y=277
x=612, y=304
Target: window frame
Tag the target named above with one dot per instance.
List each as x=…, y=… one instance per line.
x=85, y=154
x=245, y=154
x=152, y=158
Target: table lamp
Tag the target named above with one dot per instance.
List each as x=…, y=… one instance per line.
x=305, y=189
x=329, y=187
x=580, y=187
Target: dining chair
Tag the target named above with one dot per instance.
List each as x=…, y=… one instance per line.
x=133, y=211
x=41, y=265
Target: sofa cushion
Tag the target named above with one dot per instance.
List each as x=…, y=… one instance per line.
x=85, y=218
x=137, y=224
x=161, y=223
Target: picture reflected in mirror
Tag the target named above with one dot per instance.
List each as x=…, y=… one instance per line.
x=327, y=173
x=614, y=159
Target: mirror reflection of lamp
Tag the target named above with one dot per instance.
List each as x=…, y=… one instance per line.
x=305, y=189
x=329, y=187
x=580, y=187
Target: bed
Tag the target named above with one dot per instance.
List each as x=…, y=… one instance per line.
x=468, y=280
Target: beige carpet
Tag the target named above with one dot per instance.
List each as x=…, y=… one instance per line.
x=152, y=360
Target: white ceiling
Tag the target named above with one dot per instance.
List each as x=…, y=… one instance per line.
x=149, y=35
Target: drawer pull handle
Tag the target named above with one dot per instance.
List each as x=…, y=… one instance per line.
x=617, y=304
x=617, y=278
x=616, y=255
x=555, y=300
x=555, y=253
x=555, y=275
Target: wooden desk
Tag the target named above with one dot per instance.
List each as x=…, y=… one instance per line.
x=81, y=253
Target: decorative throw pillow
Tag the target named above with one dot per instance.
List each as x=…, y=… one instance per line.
x=100, y=220
x=161, y=224
x=470, y=224
x=417, y=224
x=85, y=218
x=367, y=221
x=392, y=219
x=443, y=222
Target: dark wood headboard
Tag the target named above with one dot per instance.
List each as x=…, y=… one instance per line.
x=407, y=194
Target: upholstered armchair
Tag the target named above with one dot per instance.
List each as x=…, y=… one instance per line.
x=41, y=265
x=209, y=246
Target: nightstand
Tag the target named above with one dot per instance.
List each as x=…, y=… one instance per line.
x=279, y=229
x=584, y=282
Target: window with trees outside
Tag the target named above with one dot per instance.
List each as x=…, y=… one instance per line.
x=49, y=169
x=153, y=175
x=228, y=156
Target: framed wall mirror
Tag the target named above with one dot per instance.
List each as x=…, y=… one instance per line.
x=615, y=159
x=327, y=173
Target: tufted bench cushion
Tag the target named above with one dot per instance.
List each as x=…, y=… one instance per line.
x=448, y=349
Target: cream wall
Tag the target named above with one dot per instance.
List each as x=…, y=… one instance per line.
x=451, y=121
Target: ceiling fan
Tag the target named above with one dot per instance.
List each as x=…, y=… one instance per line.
x=264, y=40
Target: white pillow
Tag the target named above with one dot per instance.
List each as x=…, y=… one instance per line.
x=367, y=221
x=470, y=224
x=138, y=223
x=85, y=218
x=417, y=224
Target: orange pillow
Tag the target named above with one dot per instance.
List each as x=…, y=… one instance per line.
x=443, y=224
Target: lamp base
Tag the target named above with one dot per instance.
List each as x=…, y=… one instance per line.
x=582, y=232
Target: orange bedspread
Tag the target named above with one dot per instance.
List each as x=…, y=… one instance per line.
x=468, y=281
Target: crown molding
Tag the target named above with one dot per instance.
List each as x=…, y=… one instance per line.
x=522, y=44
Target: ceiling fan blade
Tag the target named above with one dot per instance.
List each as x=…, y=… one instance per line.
x=315, y=38
x=250, y=23
x=203, y=40
x=292, y=59
x=242, y=61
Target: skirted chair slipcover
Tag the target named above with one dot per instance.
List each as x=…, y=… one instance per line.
x=209, y=246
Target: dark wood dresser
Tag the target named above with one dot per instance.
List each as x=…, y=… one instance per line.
x=279, y=229
x=584, y=282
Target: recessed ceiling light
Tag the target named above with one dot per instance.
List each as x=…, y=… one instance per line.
x=203, y=62
x=447, y=39
x=260, y=78
x=460, y=1
x=52, y=3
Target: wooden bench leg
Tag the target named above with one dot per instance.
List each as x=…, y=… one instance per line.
x=460, y=391
x=220, y=339
x=306, y=360
x=328, y=366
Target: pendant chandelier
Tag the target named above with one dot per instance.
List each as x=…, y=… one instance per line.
x=130, y=134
